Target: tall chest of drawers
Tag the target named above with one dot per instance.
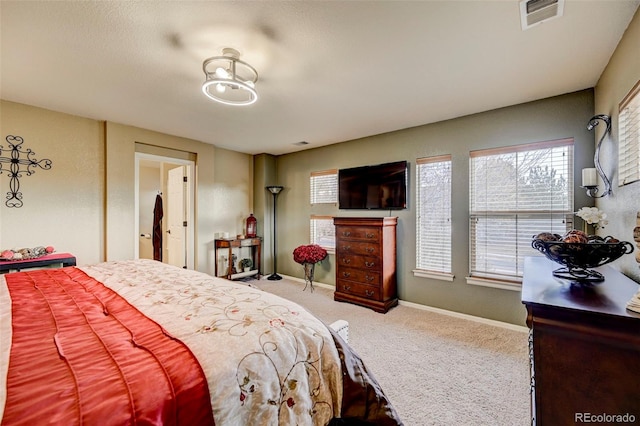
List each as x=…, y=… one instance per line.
x=366, y=261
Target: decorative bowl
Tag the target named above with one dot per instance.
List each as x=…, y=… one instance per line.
x=578, y=257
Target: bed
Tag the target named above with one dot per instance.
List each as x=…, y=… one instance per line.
x=142, y=342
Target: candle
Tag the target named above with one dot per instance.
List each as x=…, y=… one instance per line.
x=589, y=177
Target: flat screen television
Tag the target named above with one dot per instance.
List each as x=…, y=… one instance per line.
x=379, y=187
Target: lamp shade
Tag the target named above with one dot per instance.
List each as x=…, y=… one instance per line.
x=274, y=189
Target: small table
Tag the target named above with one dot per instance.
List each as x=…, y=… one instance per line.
x=66, y=259
x=229, y=245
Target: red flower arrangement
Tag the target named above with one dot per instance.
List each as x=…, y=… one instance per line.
x=311, y=253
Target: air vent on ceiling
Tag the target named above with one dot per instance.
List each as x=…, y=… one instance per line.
x=534, y=12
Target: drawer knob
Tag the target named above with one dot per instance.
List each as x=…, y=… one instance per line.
x=369, y=293
x=368, y=278
x=346, y=248
x=370, y=249
x=346, y=274
x=346, y=287
x=346, y=234
x=347, y=261
x=370, y=235
x=369, y=264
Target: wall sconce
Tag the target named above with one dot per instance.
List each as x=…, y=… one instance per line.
x=589, y=177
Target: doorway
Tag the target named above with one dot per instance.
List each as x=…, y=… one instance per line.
x=165, y=189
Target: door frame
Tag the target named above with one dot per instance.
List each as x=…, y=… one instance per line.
x=191, y=191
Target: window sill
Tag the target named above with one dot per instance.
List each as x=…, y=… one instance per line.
x=488, y=282
x=442, y=276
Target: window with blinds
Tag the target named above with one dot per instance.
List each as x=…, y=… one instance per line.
x=629, y=136
x=323, y=232
x=515, y=193
x=433, y=194
x=324, y=190
x=324, y=187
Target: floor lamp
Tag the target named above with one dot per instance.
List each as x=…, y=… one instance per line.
x=275, y=190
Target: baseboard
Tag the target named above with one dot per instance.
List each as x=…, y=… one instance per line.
x=487, y=321
x=301, y=280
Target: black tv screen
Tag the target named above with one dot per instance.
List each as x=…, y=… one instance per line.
x=379, y=187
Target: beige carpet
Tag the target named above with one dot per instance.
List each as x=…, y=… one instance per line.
x=435, y=369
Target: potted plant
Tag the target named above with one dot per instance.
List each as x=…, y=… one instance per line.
x=246, y=264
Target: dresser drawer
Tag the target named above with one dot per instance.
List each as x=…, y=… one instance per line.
x=359, y=275
x=358, y=247
x=354, y=261
x=357, y=289
x=358, y=233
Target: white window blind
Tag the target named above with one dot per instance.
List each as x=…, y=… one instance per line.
x=629, y=135
x=515, y=193
x=323, y=232
x=433, y=193
x=324, y=187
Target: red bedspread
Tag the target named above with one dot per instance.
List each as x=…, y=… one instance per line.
x=99, y=359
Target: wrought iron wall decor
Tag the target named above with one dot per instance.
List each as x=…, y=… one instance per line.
x=20, y=161
x=592, y=185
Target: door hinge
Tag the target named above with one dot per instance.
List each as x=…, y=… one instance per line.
x=184, y=223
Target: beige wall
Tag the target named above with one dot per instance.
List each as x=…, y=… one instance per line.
x=620, y=75
x=120, y=186
x=85, y=204
x=150, y=182
x=63, y=207
x=223, y=195
x=554, y=118
x=233, y=191
x=265, y=174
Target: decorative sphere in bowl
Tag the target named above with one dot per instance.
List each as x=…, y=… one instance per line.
x=578, y=252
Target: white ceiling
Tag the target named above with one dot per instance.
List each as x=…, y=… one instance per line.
x=329, y=71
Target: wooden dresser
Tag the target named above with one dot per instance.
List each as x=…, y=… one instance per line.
x=366, y=261
x=584, y=346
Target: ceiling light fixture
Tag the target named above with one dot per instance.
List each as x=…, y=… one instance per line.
x=229, y=80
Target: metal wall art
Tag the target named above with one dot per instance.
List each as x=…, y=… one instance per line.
x=20, y=161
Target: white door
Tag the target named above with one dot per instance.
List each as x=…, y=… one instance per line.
x=177, y=217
